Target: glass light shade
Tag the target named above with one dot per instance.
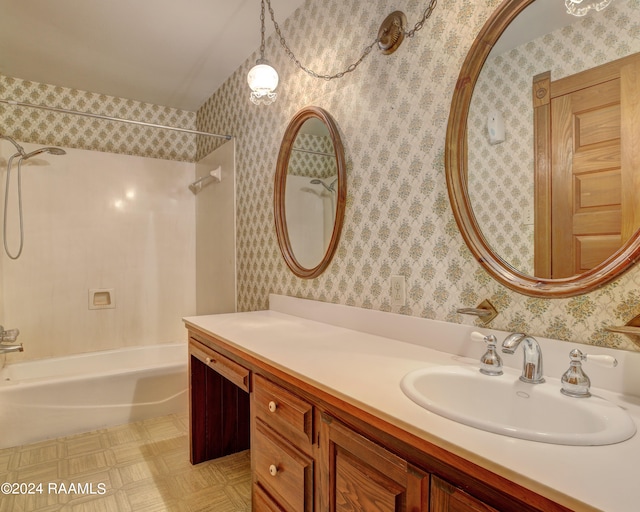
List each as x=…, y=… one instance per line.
x=582, y=7
x=263, y=80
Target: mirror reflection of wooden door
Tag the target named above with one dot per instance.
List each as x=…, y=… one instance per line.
x=591, y=187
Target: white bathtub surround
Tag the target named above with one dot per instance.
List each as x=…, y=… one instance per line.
x=361, y=356
x=96, y=220
x=56, y=397
x=310, y=211
x=216, y=234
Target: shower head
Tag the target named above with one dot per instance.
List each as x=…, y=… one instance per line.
x=330, y=188
x=24, y=155
x=50, y=150
x=17, y=146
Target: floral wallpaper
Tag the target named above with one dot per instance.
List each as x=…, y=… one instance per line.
x=312, y=156
x=52, y=128
x=392, y=112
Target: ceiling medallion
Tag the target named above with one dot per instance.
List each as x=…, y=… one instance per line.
x=391, y=33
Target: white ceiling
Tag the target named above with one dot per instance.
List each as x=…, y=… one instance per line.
x=168, y=52
x=539, y=18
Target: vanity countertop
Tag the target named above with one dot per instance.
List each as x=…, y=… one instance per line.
x=365, y=370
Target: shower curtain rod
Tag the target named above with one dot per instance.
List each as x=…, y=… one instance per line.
x=310, y=151
x=117, y=119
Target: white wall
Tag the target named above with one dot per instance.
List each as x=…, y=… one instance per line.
x=215, y=239
x=99, y=220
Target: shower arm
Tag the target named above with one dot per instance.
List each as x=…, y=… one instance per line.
x=20, y=149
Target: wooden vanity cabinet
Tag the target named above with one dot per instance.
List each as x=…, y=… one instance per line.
x=358, y=474
x=282, y=455
x=447, y=498
x=311, y=450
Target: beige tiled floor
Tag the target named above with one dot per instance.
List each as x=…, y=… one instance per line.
x=141, y=466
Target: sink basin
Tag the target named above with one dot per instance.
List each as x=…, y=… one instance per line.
x=505, y=405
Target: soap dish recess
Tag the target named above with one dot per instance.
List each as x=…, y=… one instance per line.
x=102, y=298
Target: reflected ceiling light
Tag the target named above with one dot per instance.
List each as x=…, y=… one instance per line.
x=263, y=79
x=582, y=7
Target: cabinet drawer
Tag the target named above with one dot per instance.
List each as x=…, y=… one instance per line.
x=263, y=502
x=286, y=473
x=229, y=369
x=283, y=410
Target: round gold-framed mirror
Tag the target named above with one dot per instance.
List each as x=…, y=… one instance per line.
x=458, y=168
x=310, y=192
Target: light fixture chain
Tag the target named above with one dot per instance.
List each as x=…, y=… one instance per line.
x=425, y=17
x=262, y=47
x=418, y=26
x=291, y=55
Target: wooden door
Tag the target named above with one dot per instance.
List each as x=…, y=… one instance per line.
x=361, y=476
x=594, y=196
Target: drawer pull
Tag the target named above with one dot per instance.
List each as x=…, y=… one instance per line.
x=208, y=360
x=273, y=470
x=273, y=406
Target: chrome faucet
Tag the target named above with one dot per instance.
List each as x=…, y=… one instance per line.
x=574, y=381
x=532, y=363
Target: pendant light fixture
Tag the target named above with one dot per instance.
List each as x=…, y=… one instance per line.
x=262, y=78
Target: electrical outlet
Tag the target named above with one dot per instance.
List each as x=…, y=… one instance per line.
x=398, y=291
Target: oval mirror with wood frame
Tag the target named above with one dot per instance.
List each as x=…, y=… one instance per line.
x=512, y=228
x=310, y=192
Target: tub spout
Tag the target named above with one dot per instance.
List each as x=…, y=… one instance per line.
x=5, y=348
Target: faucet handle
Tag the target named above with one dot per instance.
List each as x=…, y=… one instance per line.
x=602, y=360
x=9, y=335
x=490, y=362
x=575, y=382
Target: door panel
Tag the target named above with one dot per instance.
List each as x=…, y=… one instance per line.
x=594, y=181
x=361, y=476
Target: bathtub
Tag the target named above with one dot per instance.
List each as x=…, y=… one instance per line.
x=56, y=397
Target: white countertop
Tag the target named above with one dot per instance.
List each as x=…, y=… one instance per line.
x=365, y=369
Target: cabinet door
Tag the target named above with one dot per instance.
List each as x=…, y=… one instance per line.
x=360, y=475
x=447, y=498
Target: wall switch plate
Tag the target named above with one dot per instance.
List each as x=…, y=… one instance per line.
x=398, y=291
x=527, y=217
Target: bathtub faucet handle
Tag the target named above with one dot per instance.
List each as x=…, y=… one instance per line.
x=9, y=335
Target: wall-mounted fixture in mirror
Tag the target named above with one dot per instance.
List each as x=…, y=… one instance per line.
x=310, y=192
x=542, y=160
